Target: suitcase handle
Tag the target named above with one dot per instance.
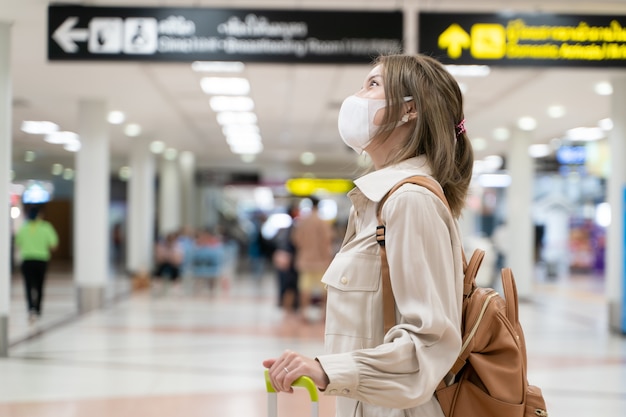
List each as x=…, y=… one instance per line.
x=303, y=382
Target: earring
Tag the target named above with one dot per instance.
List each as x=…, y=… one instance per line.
x=405, y=118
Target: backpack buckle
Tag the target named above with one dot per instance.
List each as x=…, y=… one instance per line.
x=380, y=235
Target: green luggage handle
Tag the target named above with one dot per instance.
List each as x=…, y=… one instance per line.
x=303, y=382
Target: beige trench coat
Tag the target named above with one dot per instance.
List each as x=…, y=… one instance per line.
x=394, y=374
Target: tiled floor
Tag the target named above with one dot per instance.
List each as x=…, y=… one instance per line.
x=177, y=353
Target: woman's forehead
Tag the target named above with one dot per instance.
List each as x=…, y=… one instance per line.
x=376, y=71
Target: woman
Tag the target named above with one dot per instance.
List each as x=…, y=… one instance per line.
x=408, y=117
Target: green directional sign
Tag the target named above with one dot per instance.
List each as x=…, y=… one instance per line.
x=524, y=39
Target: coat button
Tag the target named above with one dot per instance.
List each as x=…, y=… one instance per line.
x=344, y=280
x=333, y=392
x=345, y=391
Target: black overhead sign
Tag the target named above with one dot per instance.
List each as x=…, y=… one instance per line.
x=524, y=39
x=77, y=33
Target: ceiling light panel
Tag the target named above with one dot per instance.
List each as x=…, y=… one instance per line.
x=39, y=127
x=556, y=111
x=307, y=158
x=469, y=70
x=230, y=86
x=29, y=156
x=248, y=148
x=605, y=124
x=539, y=150
x=527, y=123
x=73, y=146
x=218, y=66
x=157, y=147
x=229, y=103
x=240, y=118
x=132, y=130
x=170, y=154
x=124, y=173
x=62, y=138
x=243, y=138
x=68, y=174
x=603, y=88
x=501, y=133
x=479, y=144
x=116, y=117
x=494, y=180
x=233, y=130
x=57, y=169
x=584, y=134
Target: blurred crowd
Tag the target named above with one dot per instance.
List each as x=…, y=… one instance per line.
x=296, y=251
x=207, y=255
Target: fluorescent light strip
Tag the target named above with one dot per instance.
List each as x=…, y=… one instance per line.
x=231, y=86
x=39, y=127
x=61, y=138
x=231, y=117
x=233, y=130
x=231, y=103
x=469, y=70
x=217, y=66
x=248, y=148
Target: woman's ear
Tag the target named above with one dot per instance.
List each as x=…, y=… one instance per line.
x=410, y=114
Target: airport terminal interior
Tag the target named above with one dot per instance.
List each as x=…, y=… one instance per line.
x=167, y=341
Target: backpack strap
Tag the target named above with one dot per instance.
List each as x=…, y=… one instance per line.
x=469, y=273
x=512, y=306
x=470, y=270
x=510, y=295
x=422, y=180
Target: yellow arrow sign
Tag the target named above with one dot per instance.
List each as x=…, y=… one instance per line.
x=454, y=39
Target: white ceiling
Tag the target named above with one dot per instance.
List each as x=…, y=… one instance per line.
x=296, y=105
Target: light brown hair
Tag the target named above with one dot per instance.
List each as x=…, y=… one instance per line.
x=439, y=104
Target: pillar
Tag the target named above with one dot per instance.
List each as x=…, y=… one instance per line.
x=519, y=216
x=410, y=27
x=91, y=199
x=188, y=200
x=169, y=197
x=616, y=197
x=5, y=168
x=141, y=203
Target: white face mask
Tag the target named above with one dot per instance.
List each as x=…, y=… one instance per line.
x=356, y=121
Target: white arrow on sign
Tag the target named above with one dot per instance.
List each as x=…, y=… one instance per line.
x=66, y=36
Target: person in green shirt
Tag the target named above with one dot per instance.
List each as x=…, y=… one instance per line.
x=35, y=239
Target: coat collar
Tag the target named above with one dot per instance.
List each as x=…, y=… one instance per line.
x=376, y=184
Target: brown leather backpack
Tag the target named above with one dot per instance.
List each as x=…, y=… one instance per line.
x=488, y=378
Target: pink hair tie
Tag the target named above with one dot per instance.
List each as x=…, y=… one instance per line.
x=460, y=128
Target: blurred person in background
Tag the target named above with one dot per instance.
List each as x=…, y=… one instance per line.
x=312, y=238
x=208, y=258
x=284, y=260
x=259, y=249
x=35, y=240
x=169, y=256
